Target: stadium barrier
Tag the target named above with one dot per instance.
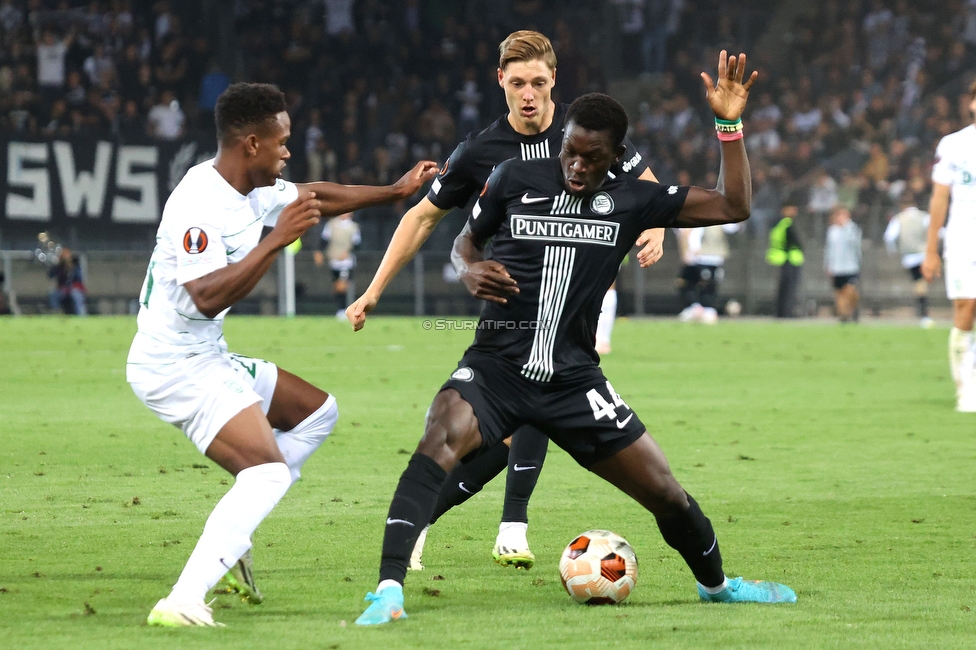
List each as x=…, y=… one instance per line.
x=428, y=286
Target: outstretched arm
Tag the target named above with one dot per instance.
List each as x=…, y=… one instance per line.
x=335, y=199
x=414, y=229
x=731, y=200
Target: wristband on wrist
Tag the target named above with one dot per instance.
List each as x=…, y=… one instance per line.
x=728, y=130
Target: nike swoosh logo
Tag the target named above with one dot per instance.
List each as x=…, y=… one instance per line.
x=538, y=199
x=714, y=544
x=522, y=468
x=621, y=425
x=464, y=489
x=390, y=520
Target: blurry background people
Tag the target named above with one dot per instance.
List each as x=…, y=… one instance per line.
x=703, y=251
x=68, y=294
x=339, y=239
x=786, y=252
x=842, y=262
x=905, y=235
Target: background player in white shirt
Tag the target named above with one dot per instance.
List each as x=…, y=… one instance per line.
x=255, y=420
x=954, y=176
x=906, y=235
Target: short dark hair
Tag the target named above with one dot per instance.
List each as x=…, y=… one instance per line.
x=599, y=112
x=244, y=104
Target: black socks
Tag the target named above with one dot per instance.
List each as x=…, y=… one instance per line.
x=691, y=534
x=411, y=508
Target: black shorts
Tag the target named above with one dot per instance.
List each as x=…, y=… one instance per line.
x=341, y=274
x=916, y=273
x=583, y=415
x=692, y=275
x=841, y=281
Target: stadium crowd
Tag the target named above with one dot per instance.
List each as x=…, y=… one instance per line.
x=850, y=105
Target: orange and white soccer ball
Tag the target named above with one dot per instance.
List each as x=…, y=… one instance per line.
x=598, y=568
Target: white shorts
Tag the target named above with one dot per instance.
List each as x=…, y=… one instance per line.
x=960, y=276
x=200, y=394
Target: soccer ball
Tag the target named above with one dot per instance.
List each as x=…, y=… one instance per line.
x=598, y=568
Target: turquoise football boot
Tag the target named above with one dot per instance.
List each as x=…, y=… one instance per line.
x=385, y=605
x=750, y=591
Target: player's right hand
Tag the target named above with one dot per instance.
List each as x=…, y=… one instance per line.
x=297, y=217
x=414, y=179
x=652, y=243
x=489, y=281
x=931, y=266
x=356, y=312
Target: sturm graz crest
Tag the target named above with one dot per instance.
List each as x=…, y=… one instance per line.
x=601, y=203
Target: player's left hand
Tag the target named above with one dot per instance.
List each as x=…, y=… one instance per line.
x=414, y=179
x=652, y=241
x=728, y=97
x=489, y=281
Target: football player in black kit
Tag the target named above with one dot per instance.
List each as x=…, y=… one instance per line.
x=531, y=129
x=533, y=359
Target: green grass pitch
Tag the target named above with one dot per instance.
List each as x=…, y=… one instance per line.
x=828, y=458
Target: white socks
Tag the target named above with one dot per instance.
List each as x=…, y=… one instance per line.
x=961, y=356
x=604, y=326
x=512, y=535
x=715, y=590
x=227, y=534
x=299, y=443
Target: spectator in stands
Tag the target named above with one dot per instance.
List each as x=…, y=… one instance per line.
x=166, y=119
x=130, y=125
x=51, y=53
x=69, y=292
x=823, y=195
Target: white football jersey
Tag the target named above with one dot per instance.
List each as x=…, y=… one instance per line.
x=955, y=166
x=206, y=225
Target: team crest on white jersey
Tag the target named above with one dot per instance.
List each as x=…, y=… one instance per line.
x=463, y=374
x=601, y=203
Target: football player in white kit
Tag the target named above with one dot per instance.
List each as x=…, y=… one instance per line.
x=954, y=176
x=255, y=420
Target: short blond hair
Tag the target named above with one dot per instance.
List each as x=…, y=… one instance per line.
x=526, y=45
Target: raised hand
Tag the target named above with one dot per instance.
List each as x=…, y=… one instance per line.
x=728, y=97
x=489, y=281
x=414, y=179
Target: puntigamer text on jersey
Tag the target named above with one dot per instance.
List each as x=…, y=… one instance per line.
x=547, y=228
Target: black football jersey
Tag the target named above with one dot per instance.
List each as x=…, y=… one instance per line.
x=564, y=252
x=465, y=172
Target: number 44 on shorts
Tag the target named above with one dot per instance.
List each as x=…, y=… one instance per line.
x=601, y=407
